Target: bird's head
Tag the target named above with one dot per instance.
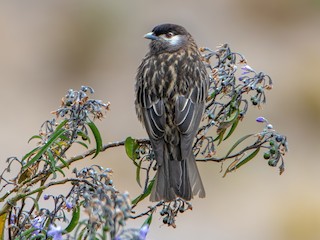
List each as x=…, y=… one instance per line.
x=168, y=38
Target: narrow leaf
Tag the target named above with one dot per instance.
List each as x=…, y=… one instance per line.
x=237, y=143
x=145, y=194
x=66, y=164
x=220, y=136
x=34, y=137
x=59, y=170
x=138, y=173
x=61, y=124
x=81, y=233
x=51, y=158
x=233, y=127
x=84, y=136
x=228, y=122
x=30, y=153
x=82, y=144
x=52, y=139
x=28, y=232
x=97, y=137
x=148, y=220
x=213, y=95
x=74, y=220
x=240, y=163
x=248, y=158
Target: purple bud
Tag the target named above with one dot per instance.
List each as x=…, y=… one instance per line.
x=261, y=119
x=12, y=218
x=46, y=196
x=69, y=205
x=247, y=68
x=244, y=73
x=143, y=232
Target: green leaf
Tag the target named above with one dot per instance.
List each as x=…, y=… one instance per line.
x=213, y=95
x=145, y=194
x=30, y=153
x=28, y=232
x=81, y=233
x=220, y=136
x=74, y=220
x=64, y=139
x=54, y=174
x=97, y=137
x=237, y=143
x=51, y=158
x=238, y=163
x=59, y=170
x=66, y=164
x=82, y=144
x=234, y=126
x=248, y=158
x=60, y=126
x=138, y=173
x=34, y=137
x=51, y=140
x=148, y=220
x=131, y=145
x=84, y=136
x=52, y=164
x=223, y=126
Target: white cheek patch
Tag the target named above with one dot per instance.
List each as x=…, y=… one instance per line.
x=174, y=40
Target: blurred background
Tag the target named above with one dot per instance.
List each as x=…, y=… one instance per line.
x=47, y=47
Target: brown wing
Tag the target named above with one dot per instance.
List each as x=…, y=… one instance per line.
x=188, y=113
x=151, y=112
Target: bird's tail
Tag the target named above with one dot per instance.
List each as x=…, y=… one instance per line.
x=176, y=177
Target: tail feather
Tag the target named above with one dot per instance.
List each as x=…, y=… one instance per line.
x=195, y=179
x=161, y=189
x=176, y=178
x=179, y=179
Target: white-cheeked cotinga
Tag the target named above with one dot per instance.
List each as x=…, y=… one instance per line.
x=171, y=89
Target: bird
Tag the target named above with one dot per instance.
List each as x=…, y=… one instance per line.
x=170, y=93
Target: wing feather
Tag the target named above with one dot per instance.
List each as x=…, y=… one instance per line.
x=152, y=113
x=188, y=113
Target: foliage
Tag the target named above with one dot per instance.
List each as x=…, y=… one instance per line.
x=92, y=208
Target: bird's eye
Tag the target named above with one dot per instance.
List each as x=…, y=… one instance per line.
x=169, y=35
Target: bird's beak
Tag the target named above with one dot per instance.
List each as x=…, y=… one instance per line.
x=150, y=36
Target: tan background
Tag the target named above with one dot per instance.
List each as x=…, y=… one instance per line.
x=47, y=47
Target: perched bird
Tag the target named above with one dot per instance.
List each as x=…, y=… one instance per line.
x=171, y=88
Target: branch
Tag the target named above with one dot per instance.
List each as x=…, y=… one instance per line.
x=151, y=210
x=105, y=147
x=16, y=198
x=213, y=159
